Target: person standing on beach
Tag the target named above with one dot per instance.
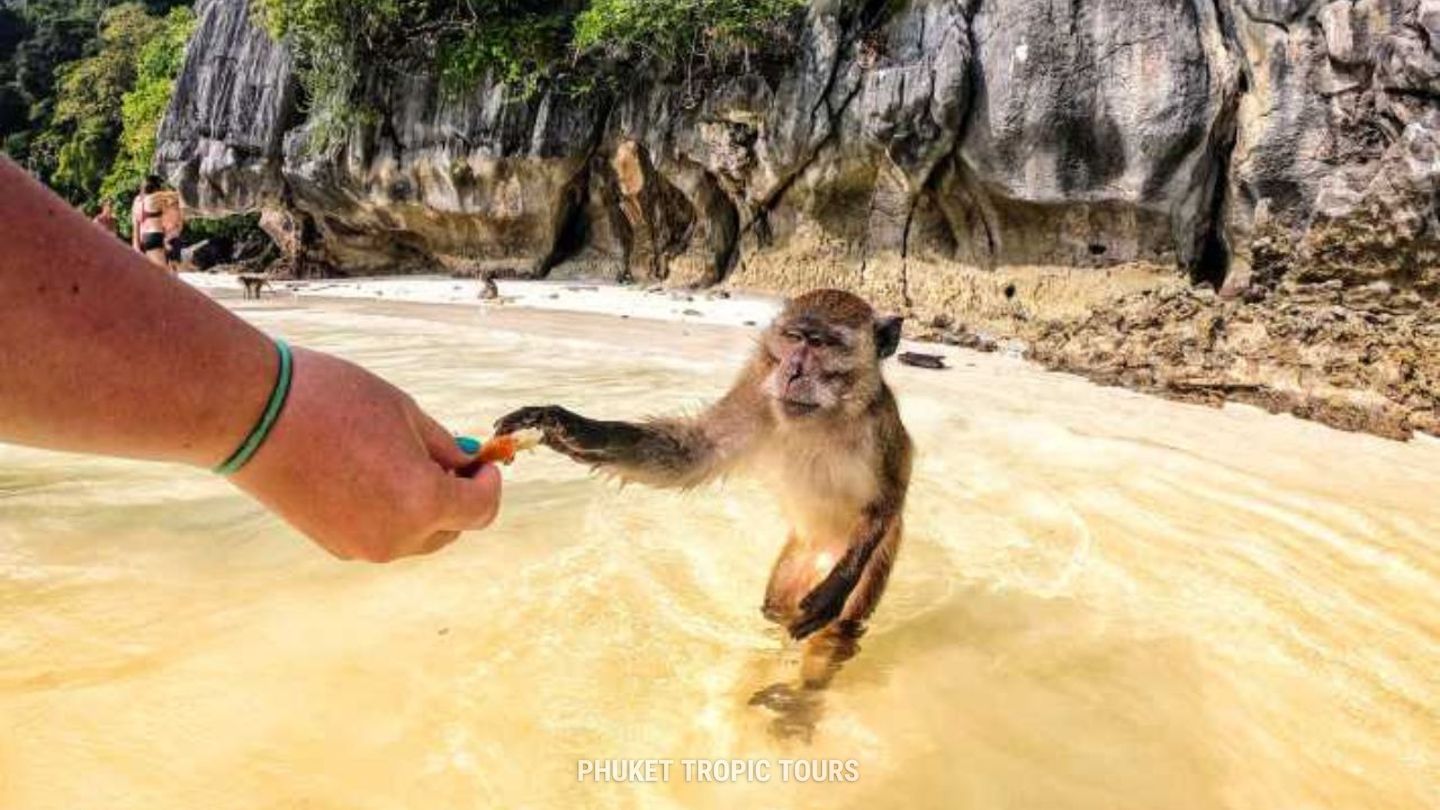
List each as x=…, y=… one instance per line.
x=147, y=222
x=106, y=218
x=142, y=365
x=172, y=220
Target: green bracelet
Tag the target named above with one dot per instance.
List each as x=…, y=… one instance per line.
x=261, y=431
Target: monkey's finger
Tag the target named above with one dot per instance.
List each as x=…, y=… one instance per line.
x=809, y=625
x=543, y=417
x=821, y=607
x=470, y=503
x=531, y=417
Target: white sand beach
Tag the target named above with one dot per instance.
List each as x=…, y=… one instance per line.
x=730, y=309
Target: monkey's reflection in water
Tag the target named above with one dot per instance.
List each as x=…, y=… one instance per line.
x=799, y=705
x=812, y=416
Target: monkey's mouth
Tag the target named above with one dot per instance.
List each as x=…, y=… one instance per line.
x=794, y=408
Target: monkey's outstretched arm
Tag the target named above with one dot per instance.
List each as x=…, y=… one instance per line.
x=673, y=452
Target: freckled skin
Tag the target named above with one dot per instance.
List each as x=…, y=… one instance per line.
x=812, y=415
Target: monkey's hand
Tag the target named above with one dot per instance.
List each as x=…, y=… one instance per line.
x=564, y=431
x=660, y=453
x=824, y=604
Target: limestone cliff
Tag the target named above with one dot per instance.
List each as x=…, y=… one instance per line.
x=1022, y=166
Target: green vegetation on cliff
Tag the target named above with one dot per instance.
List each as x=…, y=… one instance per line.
x=142, y=108
x=682, y=32
x=574, y=45
x=85, y=83
x=83, y=86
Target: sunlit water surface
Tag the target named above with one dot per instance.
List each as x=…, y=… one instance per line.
x=1104, y=601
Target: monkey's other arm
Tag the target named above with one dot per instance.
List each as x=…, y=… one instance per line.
x=880, y=520
x=667, y=452
x=826, y=602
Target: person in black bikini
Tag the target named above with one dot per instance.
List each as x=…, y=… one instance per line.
x=147, y=233
x=156, y=223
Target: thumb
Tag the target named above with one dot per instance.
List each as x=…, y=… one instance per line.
x=471, y=503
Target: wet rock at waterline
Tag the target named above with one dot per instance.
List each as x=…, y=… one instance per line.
x=1348, y=357
x=933, y=362
x=1022, y=168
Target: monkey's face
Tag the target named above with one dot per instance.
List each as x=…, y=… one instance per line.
x=826, y=362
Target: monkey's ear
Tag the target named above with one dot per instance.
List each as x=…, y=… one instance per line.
x=887, y=335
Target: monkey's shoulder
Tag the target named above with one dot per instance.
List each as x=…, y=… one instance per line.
x=892, y=440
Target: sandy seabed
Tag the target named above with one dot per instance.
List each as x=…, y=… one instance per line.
x=1105, y=600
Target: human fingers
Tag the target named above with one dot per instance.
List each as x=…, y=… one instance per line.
x=471, y=503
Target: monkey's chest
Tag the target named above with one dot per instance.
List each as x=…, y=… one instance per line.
x=823, y=494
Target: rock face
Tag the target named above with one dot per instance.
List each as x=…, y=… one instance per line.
x=1022, y=167
x=957, y=137
x=233, y=103
x=1336, y=138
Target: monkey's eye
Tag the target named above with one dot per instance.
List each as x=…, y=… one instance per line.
x=792, y=336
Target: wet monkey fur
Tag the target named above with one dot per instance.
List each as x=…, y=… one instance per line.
x=811, y=416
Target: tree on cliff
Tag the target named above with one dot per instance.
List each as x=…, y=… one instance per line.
x=68, y=71
x=85, y=122
x=157, y=63
x=573, y=45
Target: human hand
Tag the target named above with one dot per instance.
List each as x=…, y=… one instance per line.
x=355, y=464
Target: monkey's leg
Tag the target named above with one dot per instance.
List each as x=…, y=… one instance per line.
x=826, y=651
x=799, y=707
x=781, y=598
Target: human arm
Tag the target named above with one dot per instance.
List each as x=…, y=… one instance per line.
x=100, y=354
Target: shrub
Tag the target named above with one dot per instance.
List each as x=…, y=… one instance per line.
x=143, y=107
x=674, y=31
x=576, y=45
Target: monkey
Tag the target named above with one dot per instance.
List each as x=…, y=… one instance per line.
x=489, y=290
x=812, y=416
x=254, y=285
